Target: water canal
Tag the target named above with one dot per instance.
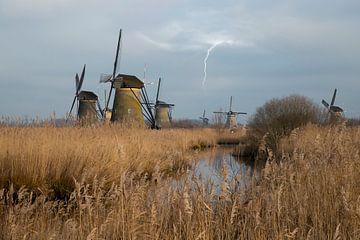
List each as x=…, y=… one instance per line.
x=218, y=165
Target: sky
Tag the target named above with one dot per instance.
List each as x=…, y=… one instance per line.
x=264, y=49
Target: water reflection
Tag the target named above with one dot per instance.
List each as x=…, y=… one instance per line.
x=220, y=165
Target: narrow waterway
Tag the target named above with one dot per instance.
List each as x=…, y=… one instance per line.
x=218, y=165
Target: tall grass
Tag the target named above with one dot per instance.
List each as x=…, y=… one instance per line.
x=48, y=158
x=312, y=193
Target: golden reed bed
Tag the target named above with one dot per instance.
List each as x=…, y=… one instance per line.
x=312, y=193
x=41, y=157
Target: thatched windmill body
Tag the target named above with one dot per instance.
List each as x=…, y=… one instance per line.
x=163, y=111
x=127, y=105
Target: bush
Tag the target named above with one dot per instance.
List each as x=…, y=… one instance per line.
x=278, y=117
x=353, y=122
x=186, y=123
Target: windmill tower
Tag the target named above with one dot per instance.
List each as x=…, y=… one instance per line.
x=130, y=103
x=231, y=117
x=163, y=111
x=86, y=102
x=127, y=105
x=335, y=111
x=205, y=120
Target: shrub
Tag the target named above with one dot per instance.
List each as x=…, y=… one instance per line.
x=353, y=122
x=186, y=123
x=278, y=117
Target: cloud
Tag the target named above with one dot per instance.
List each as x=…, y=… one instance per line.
x=270, y=48
x=159, y=44
x=29, y=7
x=186, y=39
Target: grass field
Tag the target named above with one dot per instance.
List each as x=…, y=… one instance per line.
x=57, y=187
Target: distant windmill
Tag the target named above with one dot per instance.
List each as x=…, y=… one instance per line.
x=163, y=111
x=335, y=111
x=131, y=102
x=204, y=119
x=231, y=117
x=86, y=102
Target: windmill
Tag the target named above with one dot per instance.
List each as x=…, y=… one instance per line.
x=163, y=111
x=335, y=111
x=131, y=102
x=204, y=119
x=231, y=117
x=86, y=102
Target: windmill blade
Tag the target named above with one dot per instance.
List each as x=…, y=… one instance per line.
x=204, y=114
x=333, y=98
x=145, y=68
x=220, y=112
x=104, y=78
x=230, y=103
x=72, y=106
x=158, y=91
x=77, y=82
x=81, y=79
x=117, y=55
x=148, y=83
x=99, y=107
x=105, y=100
x=243, y=113
x=115, y=68
x=325, y=103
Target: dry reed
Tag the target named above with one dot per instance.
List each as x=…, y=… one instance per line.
x=312, y=193
x=48, y=158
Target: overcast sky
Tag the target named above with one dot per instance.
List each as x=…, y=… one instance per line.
x=265, y=49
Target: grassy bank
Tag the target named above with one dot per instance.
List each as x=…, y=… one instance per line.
x=312, y=193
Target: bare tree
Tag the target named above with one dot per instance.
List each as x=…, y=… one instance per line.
x=219, y=120
x=278, y=117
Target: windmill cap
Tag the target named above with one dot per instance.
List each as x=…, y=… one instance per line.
x=87, y=95
x=162, y=103
x=129, y=81
x=336, y=109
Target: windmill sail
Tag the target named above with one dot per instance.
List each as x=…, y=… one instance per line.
x=81, y=79
x=230, y=104
x=242, y=113
x=104, y=78
x=333, y=98
x=116, y=65
x=325, y=103
x=78, y=85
